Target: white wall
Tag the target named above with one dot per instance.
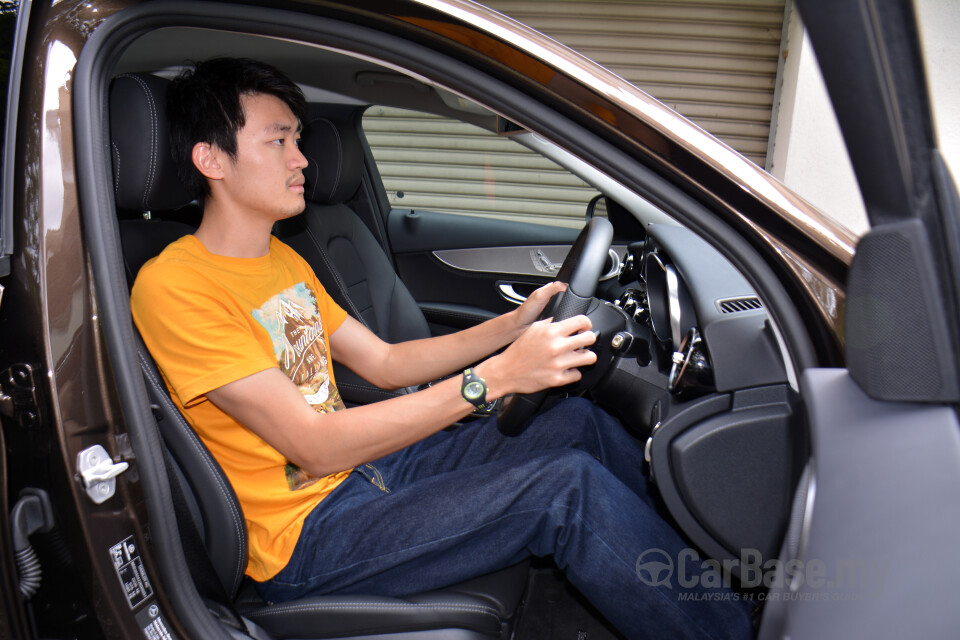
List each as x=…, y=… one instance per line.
x=939, y=32
x=807, y=150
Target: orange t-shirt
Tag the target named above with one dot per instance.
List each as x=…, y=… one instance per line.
x=209, y=320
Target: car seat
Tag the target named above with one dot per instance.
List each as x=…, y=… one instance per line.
x=343, y=252
x=364, y=277
x=209, y=516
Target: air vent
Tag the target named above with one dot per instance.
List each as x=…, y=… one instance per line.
x=736, y=305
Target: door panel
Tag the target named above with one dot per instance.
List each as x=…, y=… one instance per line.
x=871, y=551
x=458, y=267
x=872, y=540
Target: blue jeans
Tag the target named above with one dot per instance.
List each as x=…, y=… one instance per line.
x=470, y=501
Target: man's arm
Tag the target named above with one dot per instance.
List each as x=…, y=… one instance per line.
x=391, y=366
x=269, y=404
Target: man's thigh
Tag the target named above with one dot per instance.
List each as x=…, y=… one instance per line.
x=573, y=423
x=432, y=532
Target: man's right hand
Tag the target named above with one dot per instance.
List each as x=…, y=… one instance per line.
x=546, y=355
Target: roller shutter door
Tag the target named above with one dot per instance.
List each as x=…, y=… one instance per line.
x=714, y=62
x=433, y=163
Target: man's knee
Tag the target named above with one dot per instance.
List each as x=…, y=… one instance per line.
x=572, y=414
x=584, y=413
x=573, y=469
x=583, y=422
x=575, y=406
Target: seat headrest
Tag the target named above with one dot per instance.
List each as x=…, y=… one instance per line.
x=144, y=174
x=335, y=158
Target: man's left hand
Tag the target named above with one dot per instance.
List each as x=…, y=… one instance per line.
x=529, y=312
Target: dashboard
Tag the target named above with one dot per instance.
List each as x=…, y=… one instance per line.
x=694, y=370
x=704, y=318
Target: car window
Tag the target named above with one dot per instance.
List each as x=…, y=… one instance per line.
x=435, y=163
x=8, y=60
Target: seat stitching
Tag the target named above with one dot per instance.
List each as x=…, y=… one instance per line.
x=314, y=180
x=336, y=180
x=154, y=127
x=338, y=280
x=116, y=171
x=194, y=441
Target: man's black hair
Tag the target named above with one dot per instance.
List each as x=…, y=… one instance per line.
x=203, y=105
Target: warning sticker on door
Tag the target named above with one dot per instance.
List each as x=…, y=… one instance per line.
x=130, y=570
x=153, y=624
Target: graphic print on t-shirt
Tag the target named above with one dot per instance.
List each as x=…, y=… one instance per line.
x=299, y=344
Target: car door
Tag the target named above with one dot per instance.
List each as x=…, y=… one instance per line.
x=475, y=220
x=872, y=536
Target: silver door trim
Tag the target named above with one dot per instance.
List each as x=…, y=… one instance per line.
x=508, y=293
x=527, y=260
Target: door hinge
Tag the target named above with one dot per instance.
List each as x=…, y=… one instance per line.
x=18, y=395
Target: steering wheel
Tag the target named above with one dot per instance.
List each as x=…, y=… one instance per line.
x=581, y=271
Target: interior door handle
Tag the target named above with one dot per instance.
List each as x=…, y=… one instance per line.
x=509, y=294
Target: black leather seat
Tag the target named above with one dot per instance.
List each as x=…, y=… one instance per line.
x=346, y=257
x=209, y=514
x=365, y=280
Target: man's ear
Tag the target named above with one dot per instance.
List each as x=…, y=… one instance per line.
x=206, y=158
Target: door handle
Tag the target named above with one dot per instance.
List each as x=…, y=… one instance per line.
x=509, y=294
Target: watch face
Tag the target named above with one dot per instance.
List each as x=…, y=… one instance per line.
x=473, y=390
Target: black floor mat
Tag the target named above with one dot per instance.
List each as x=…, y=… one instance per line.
x=554, y=610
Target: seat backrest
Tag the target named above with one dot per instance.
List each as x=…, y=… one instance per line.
x=145, y=180
x=343, y=252
x=144, y=175
x=209, y=515
x=347, y=259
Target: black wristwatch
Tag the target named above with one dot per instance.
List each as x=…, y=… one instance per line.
x=474, y=390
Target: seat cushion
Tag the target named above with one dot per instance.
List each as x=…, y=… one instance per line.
x=484, y=605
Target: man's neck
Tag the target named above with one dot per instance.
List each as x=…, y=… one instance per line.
x=233, y=234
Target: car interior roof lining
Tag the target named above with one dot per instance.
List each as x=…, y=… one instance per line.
x=334, y=76
x=349, y=80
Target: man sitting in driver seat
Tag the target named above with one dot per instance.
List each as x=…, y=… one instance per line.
x=380, y=499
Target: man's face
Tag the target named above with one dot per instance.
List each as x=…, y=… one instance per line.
x=266, y=177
